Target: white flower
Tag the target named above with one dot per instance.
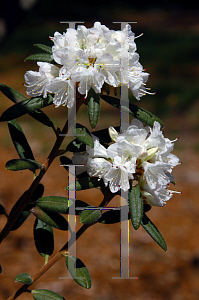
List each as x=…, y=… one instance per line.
x=139, y=153
x=63, y=90
x=88, y=78
x=37, y=81
x=155, y=174
x=127, y=152
x=97, y=167
x=108, y=67
x=156, y=138
x=157, y=197
x=89, y=57
x=98, y=150
x=117, y=176
x=132, y=73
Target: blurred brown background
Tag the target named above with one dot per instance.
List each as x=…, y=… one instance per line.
x=169, y=51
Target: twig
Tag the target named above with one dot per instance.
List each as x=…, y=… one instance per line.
x=11, y=219
x=63, y=252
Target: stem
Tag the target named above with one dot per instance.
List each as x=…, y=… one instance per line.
x=63, y=252
x=24, y=287
x=28, y=194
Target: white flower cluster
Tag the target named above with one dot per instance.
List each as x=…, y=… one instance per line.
x=140, y=153
x=89, y=57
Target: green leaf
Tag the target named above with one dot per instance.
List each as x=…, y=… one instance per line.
x=146, y=207
x=134, y=110
x=113, y=216
x=153, y=232
x=106, y=87
x=85, y=183
x=22, y=164
x=47, y=49
x=78, y=271
x=26, y=212
x=83, y=134
x=55, y=204
x=135, y=206
x=64, y=160
x=43, y=237
x=45, y=295
x=24, y=278
x=19, y=140
x=53, y=219
x=90, y=215
x=93, y=107
x=41, y=117
x=103, y=135
x=44, y=57
x=12, y=94
x=25, y=107
x=16, y=97
x=21, y=219
x=79, y=204
x=2, y=210
x=76, y=146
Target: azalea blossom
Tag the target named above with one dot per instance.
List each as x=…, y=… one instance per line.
x=88, y=58
x=37, y=81
x=140, y=153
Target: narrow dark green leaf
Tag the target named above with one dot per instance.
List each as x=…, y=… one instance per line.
x=146, y=208
x=76, y=146
x=78, y=271
x=113, y=216
x=44, y=57
x=47, y=49
x=24, y=278
x=103, y=135
x=134, y=110
x=106, y=87
x=93, y=107
x=82, y=175
x=53, y=219
x=2, y=210
x=22, y=164
x=90, y=215
x=83, y=134
x=41, y=117
x=21, y=219
x=153, y=232
x=85, y=183
x=45, y=295
x=135, y=206
x=12, y=94
x=26, y=212
x=64, y=160
x=79, y=205
x=55, y=204
x=43, y=237
x=25, y=107
x=19, y=140
x=16, y=97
